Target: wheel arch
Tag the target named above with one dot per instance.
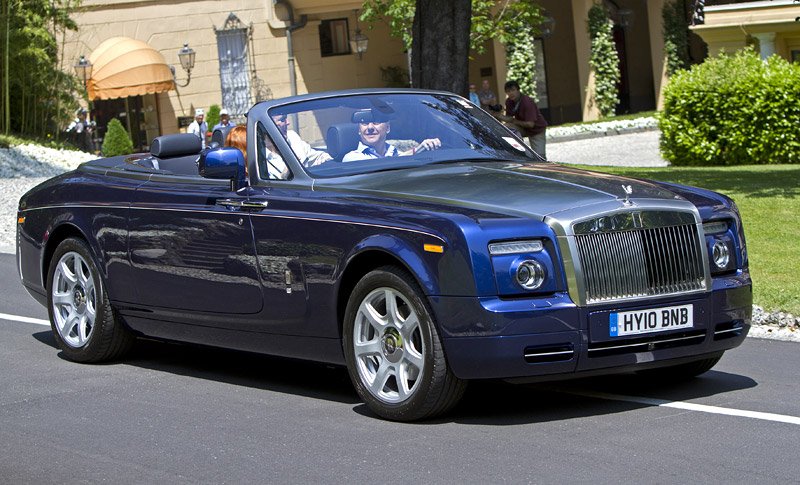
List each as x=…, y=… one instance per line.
x=57, y=235
x=369, y=258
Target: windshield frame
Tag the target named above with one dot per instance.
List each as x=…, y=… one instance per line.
x=301, y=174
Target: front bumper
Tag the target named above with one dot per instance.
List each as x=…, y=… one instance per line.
x=552, y=338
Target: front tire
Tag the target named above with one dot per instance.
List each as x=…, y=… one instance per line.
x=394, y=354
x=83, y=321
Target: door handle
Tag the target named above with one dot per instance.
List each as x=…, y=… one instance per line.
x=243, y=204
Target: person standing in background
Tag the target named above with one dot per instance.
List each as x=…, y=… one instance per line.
x=488, y=98
x=473, y=94
x=199, y=127
x=224, y=121
x=523, y=114
x=80, y=132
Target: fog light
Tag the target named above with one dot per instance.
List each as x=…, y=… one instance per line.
x=530, y=274
x=721, y=255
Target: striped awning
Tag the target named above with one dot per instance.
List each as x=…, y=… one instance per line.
x=123, y=67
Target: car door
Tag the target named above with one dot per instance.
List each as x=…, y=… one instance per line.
x=295, y=247
x=191, y=247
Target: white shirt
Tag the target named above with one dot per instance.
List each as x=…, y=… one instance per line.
x=364, y=152
x=308, y=156
x=276, y=167
x=199, y=130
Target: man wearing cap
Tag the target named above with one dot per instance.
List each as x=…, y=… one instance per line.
x=224, y=121
x=372, y=131
x=198, y=127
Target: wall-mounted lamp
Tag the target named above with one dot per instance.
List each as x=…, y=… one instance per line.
x=186, y=56
x=360, y=41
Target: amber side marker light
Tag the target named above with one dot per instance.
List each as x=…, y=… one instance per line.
x=20, y=220
x=434, y=248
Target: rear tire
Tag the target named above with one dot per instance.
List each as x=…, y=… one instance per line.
x=682, y=372
x=84, y=324
x=394, y=354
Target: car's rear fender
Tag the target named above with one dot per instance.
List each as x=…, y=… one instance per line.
x=75, y=224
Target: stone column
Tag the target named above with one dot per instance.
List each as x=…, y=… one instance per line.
x=766, y=42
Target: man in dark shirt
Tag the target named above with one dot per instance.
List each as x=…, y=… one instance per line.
x=523, y=114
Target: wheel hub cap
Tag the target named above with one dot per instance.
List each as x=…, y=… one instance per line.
x=79, y=296
x=392, y=343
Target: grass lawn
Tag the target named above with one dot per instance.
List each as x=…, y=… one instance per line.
x=768, y=197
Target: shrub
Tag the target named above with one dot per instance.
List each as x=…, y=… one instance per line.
x=117, y=140
x=603, y=60
x=212, y=117
x=733, y=110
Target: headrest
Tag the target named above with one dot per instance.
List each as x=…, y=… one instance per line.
x=373, y=115
x=220, y=134
x=167, y=146
x=341, y=139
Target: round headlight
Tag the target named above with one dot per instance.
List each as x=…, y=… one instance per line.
x=721, y=255
x=530, y=274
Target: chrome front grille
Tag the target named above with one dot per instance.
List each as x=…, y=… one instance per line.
x=641, y=262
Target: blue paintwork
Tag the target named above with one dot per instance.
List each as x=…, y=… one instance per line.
x=178, y=265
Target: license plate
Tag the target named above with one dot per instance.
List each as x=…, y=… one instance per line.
x=650, y=321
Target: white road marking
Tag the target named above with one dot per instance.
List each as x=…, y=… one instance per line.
x=17, y=318
x=779, y=418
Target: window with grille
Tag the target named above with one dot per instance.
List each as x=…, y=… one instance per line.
x=232, y=43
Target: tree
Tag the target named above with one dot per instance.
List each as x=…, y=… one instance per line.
x=117, y=141
x=38, y=98
x=504, y=20
x=440, y=46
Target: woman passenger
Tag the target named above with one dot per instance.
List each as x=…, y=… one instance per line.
x=237, y=138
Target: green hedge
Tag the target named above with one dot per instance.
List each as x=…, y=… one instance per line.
x=733, y=110
x=116, y=141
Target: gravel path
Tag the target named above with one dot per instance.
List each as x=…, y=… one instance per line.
x=11, y=189
x=24, y=167
x=629, y=150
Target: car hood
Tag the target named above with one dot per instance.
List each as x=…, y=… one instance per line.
x=533, y=190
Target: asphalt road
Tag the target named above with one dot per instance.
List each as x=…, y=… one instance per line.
x=183, y=414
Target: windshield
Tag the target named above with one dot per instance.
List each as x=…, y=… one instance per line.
x=349, y=135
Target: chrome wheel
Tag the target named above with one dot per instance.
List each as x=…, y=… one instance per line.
x=388, y=346
x=74, y=300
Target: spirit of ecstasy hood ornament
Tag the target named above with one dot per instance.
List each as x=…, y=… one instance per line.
x=628, y=191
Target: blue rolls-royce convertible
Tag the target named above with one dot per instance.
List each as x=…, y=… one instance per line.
x=405, y=234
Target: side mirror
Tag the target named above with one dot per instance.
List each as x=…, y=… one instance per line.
x=224, y=163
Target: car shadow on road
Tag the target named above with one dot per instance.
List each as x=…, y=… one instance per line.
x=491, y=402
x=500, y=403
x=276, y=374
